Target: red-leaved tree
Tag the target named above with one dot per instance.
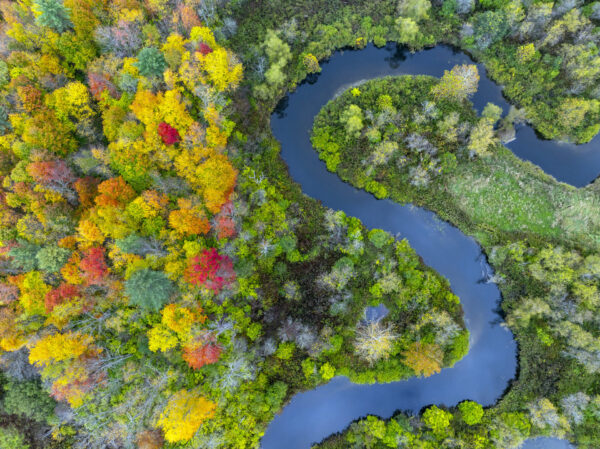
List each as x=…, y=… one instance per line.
x=93, y=266
x=60, y=294
x=168, y=134
x=211, y=270
x=204, y=49
x=8, y=293
x=198, y=356
x=55, y=175
x=224, y=223
x=99, y=83
x=114, y=192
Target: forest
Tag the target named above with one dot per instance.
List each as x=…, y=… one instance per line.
x=164, y=282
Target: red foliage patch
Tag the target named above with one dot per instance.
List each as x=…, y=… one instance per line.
x=59, y=295
x=100, y=83
x=211, y=270
x=114, y=192
x=93, y=266
x=197, y=357
x=225, y=227
x=204, y=49
x=51, y=172
x=224, y=223
x=168, y=134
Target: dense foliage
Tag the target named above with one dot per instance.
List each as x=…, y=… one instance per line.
x=164, y=286
x=166, y=283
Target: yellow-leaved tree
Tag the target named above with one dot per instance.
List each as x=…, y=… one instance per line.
x=216, y=179
x=66, y=361
x=184, y=414
x=424, y=358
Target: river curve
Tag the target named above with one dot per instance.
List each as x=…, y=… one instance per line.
x=485, y=373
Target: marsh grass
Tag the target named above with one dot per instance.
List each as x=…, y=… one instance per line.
x=512, y=195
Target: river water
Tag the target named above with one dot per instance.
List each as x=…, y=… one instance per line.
x=486, y=372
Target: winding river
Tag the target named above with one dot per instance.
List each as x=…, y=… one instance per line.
x=486, y=372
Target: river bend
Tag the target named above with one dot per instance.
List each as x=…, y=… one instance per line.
x=485, y=373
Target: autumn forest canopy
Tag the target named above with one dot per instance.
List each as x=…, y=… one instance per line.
x=164, y=282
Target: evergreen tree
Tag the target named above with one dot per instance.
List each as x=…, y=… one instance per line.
x=151, y=62
x=149, y=289
x=53, y=14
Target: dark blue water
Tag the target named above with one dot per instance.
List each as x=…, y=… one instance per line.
x=485, y=373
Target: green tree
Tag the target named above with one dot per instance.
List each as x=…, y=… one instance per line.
x=378, y=237
x=414, y=9
x=51, y=258
x=142, y=246
x=327, y=371
x=311, y=63
x=492, y=112
x=279, y=55
x=149, y=289
x=52, y=14
x=437, y=419
x=277, y=50
x=28, y=399
x=352, y=118
x=407, y=29
x=24, y=255
x=151, y=62
x=489, y=27
x=510, y=429
x=4, y=73
x=572, y=111
x=471, y=412
x=482, y=137
x=457, y=84
x=11, y=438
